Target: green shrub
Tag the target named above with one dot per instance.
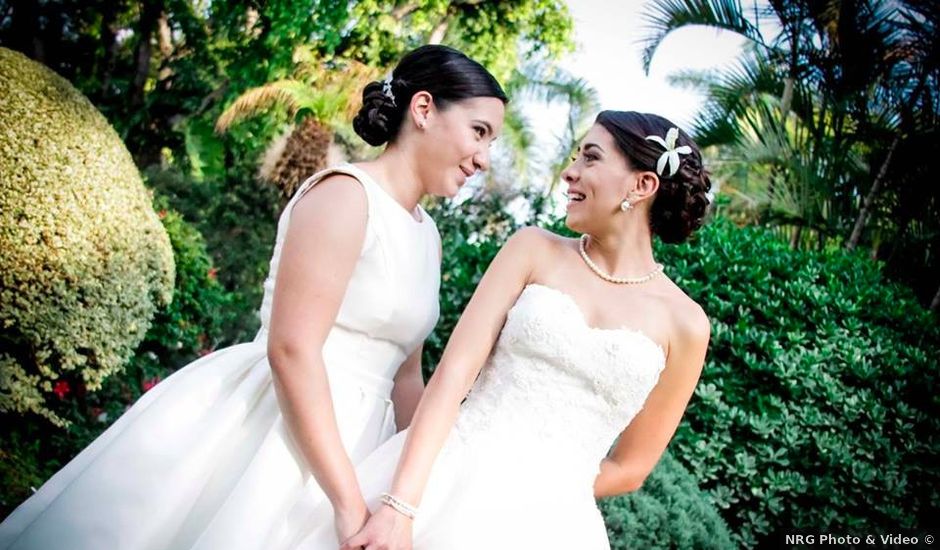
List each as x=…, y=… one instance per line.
x=237, y=218
x=190, y=326
x=84, y=261
x=471, y=234
x=668, y=512
x=194, y=322
x=817, y=406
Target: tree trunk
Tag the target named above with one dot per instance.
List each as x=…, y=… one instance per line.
x=26, y=35
x=105, y=68
x=149, y=17
x=935, y=303
x=870, y=198
x=437, y=35
x=796, y=237
x=304, y=153
x=165, y=43
x=787, y=99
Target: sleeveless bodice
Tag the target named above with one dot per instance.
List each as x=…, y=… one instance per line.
x=391, y=302
x=558, y=389
x=205, y=460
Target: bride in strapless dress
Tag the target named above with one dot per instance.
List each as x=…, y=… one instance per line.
x=567, y=346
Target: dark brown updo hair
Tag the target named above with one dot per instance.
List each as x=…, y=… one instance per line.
x=681, y=203
x=445, y=73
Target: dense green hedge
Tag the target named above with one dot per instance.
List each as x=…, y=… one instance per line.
x=818, y=405
x=31, y=449
x=670, y=511
x=467, y=252
x=237, y=218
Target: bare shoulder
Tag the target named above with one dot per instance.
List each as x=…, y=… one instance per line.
x=532, y=235
x=342, y=195
x=535, y=243
x=691, y=324
x=536, y=239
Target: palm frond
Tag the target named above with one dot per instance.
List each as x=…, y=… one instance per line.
x=518, y=137
x=730, y=94
x=325, y=88
x=542, y=82
x=292, y=94
x=664, y=16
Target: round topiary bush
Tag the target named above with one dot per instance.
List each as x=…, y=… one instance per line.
x=84, y=260
x=669, y=511
x=32, y=449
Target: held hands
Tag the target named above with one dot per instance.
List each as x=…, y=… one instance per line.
x=348, y=522
x=386, y=529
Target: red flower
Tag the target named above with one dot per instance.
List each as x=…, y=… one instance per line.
x=150, y=383
x=212, y=273
x=61, y=388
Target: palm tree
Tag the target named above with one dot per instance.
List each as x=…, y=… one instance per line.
x=910, y=107
x=320, y=98
x=772, y=167
x=548, y=84
x=862, y=78
x=830, y=63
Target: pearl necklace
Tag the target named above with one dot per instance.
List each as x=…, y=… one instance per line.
x=610, y=278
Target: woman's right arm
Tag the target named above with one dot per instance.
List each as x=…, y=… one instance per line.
x=466, y=352
x=323, y=243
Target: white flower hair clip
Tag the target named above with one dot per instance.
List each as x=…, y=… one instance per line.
x=387, y=89
x=672, y=152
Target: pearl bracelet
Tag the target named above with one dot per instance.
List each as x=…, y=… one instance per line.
x=399, y=505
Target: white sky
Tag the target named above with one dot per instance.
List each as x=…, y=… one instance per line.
x=609, y=57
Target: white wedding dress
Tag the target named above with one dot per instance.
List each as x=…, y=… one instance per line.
x=518, y=469
x=204, y=460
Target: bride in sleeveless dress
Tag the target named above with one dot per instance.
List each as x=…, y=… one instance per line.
x=234, y=450
x=578, y=343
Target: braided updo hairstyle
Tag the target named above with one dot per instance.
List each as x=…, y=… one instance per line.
x=445, y=73
x=681, y=203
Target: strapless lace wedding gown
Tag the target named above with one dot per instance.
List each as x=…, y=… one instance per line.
x=204, y=460
x=518, y=469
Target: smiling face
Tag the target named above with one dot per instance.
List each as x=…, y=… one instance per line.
x=455, y=143
x=599, y=179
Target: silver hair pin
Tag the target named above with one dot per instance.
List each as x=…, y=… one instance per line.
x=387, y=90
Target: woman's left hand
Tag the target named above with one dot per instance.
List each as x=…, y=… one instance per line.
x=385, y=530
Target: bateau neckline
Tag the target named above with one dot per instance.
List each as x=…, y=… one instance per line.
x=420, y=210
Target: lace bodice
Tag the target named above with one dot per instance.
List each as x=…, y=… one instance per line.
x=566, y=387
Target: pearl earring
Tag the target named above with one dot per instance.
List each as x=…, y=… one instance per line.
x=625, y=205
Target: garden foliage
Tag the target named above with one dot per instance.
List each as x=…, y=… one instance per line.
x=84, y=261
x=32, y=449
x=818, y=403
